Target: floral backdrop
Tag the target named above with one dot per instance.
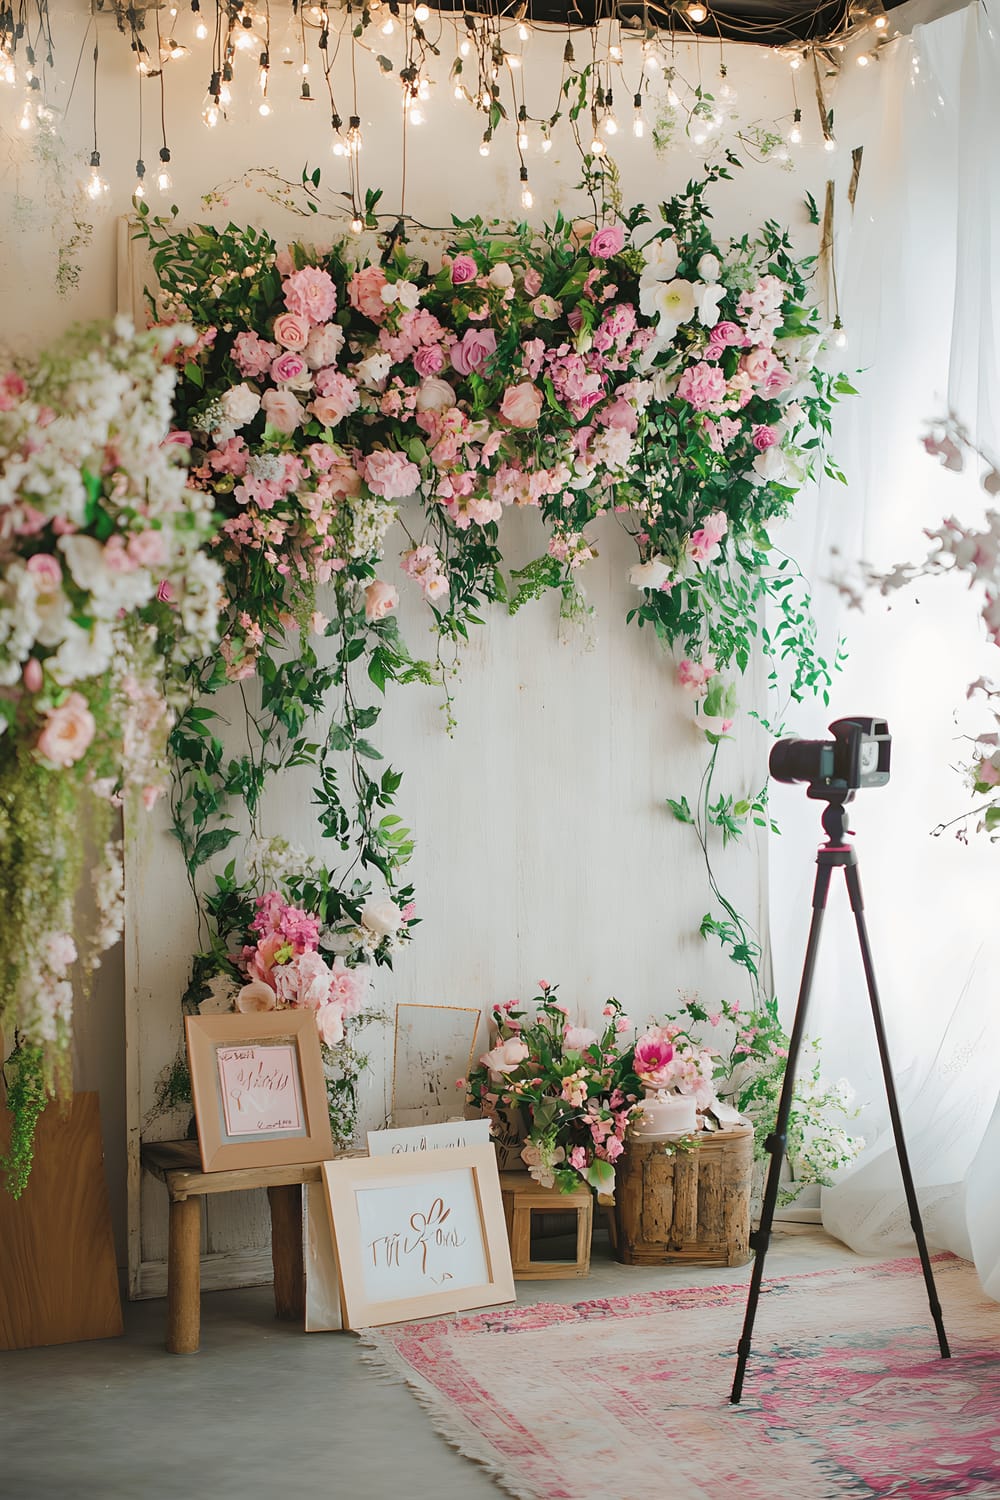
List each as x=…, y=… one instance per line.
x=637, y=367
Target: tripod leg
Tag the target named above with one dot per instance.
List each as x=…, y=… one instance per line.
x=853, y=878
x=775, y=1144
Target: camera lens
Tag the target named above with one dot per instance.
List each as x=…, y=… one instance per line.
x=801, y=760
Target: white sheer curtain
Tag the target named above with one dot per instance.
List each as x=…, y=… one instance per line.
x=919, y=275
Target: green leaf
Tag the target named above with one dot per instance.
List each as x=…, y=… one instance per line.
x=211, y=843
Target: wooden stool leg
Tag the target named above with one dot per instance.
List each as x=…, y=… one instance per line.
x=286, y=1252
x=184, y=1277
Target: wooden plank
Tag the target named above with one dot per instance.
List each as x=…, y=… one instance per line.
x=58, y=1278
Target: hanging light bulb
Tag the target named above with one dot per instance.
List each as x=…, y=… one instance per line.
x=484, y=147
x=839, y=334
x=597, y=146
x=795, y=63
x=7, y=72
x=829, y=144
x=354, y=139
x=523, y=140
x=512, y=60
x=416, y=115
x=699, y=137
x=523, y=34
x=527, y=200
x=164, y=182
x=652, y=63
x=465, y=49
x=95, y=187
x=422, y=13
x=388, y=26
x=201, y=31
x=795, y=134
x=697, y=13
x=356, y=225
x=169, y=48
x=27, y=117
x=615, y=52
x=210, y=111
x=139, y=191
x=424, y=89
x=610, y=125
x=881, y=22
x=459, y=91
x=638, y=123
x=673, y=98
x=546, y=143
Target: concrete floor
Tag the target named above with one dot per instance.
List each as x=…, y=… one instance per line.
x=265, y=1412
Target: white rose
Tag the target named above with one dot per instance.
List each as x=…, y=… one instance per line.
x=325, y=344
x=661, y=258
x=505, y=1057
x=650, y=575
x=502, y=275
x=381, y=917
x=770, y=466
x=373, y=370
x=708, y=267
x=408, y=294
x=708, y=298
x=435, y=395
x=240, y=404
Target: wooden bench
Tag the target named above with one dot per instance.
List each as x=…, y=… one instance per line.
x=178, y=1165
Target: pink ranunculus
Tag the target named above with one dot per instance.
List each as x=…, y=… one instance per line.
x=165, y=591
x=763, y=437
x=463, y=269
x=283, y=412
x=608, y=241
x=703, y=544
x=578, y=1038
x=522, y=405
x=311, y=293
x=474, y=348
x=703, y=385
x=390, y=474
x=380, y=599
x=291, y=330
x=429, y=359
x=505, y=1057
x=364, y=291
x=68, y=732
x=288, y=366
x=654, y=1053
x=727, y=334
x=256, y=996
x=330, y=1023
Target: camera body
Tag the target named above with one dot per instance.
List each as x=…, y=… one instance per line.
x=857, y=756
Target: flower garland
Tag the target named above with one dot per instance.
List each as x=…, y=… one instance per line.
x=105, y=594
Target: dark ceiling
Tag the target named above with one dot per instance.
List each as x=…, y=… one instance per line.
x=766, y=22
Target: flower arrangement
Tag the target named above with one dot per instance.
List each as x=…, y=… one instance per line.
x=568, y=1079
x=105, y=594
x=665, y=1060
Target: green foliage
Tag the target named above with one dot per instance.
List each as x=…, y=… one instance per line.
x=24, y=1076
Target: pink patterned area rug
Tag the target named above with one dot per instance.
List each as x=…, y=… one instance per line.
x=627, y=1398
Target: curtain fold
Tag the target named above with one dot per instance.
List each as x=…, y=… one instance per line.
x=918, y=267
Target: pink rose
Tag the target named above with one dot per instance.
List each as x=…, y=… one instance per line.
x=703, y=385
x=364, y=292
x=330, y=1024
x=759, y=363
x=703, y=544
x=546, y=307
x=380, y=599
x=283, y=412
x=68, y=732
x=763, y=437
x=522, y=405
x=256, y=996
x=726, y=334
x=311, y=293
x=473, y=349
x=463, y=268
x=287, y=366
x=608, y=241
x=429, y=359
x=390, y=474
x=532, y=282
x=338, y=397
x=178, y=438
x=291, y=330
x=505, y=1056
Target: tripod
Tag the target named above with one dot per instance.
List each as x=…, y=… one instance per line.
x=835, y=853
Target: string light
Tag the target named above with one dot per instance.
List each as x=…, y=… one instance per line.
x=795, y=134
x=597, y=146
x=356, y=226
x=840, y=335
x=673, y=98
x=524, y=35
x=139, y=191
x=615, y=53
x=465, y=49
x=881, y=22
x=484, y=146
x=422, y=13
x=697, y=13
x=527, y=201
x=27, y=118
x=164, y=181
x=354, y=137
x=459, y=91
x=863, y=59
x=95, y=186
x=546, y=142
x=201, y=31
x=638, y=123
x=388, y=26
x=829, y=144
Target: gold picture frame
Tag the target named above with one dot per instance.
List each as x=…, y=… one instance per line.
x=418, y=1235
x=258, y=1089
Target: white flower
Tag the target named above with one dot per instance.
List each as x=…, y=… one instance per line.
x=661, y=258
x=671, y=302
x=502, y=275
x=373, y=369
x=770, y=466
x=83, y=653
x=434, y=394
x=240, y=405
x=381, y=917
x=708, y=299
x=708, y=267
x=110, y=589
x=325, y=344
x=650, y=575
x=408, y=294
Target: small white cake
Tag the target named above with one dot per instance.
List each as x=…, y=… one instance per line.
x=665, y=1115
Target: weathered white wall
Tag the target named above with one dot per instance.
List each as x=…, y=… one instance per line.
x=544, y=847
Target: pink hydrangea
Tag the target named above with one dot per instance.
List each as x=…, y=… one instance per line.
x=348, y=987
x=703, y=385
x=390, y=474
x=312, y=293
x=252, y=354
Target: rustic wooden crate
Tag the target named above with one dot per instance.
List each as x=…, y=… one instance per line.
x=690, y=1207
x=522, y=1197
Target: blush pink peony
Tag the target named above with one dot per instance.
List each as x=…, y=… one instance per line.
x=311, y=293
x=521, y=405
x=390, y=474
x=364, y=292
x=380, y=599
x=608, y=241
x=68, y=731
x=282, y=410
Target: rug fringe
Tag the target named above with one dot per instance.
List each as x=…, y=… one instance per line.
x=456, y=1432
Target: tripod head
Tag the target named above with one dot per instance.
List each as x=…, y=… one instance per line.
x=834, y=818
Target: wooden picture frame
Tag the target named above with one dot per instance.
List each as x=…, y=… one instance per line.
x=433, y=1046
x=258, y=1089
x=417, y=1235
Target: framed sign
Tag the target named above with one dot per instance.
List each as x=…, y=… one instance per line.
x=418, y=1234
x=435, y=1045
x=258, y=1089
x=428, y=1137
